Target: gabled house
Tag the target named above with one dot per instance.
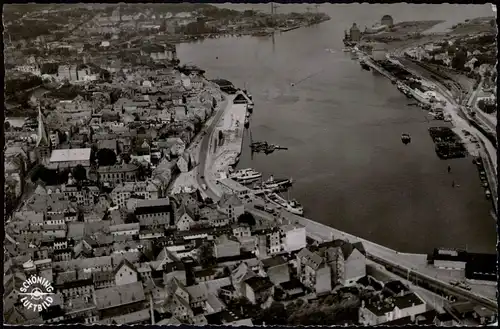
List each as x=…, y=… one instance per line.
x=277, y=269
x=226, y=247
x=314, y=272
x=119, y=299
x=125, y=273
x=258, y=290
x=348, y=261
x=184, y=219
x=239, y=275
x=231, y=206
x=184, y=163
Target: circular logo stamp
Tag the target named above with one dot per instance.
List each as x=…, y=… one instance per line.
x=36, y=293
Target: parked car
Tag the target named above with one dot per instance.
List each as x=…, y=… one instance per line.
x=259, y=207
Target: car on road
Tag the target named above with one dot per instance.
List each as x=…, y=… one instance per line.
x=202, y=177
x=464, y=286
x=204, y=186
x=269, y=209
x=259, y=207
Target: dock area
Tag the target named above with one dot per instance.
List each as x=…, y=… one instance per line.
x=231, y=129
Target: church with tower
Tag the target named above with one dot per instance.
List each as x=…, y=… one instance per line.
x=43, y=147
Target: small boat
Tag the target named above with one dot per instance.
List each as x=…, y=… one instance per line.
x=289, y=205
x=488, y=194
x=245, y=176
x=250, y=107
x=406, y=138
x=364, y=65
x=247, y=123
x=258, y=145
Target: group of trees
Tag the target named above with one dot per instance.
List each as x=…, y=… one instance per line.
x=16, y=85
x=206, y=254
x=487, y=106
x=247, y=218
x=106, y=157
x=335, y=309
x=49, y=68
x=30, y=29
x=459, y=60
x=67, y=91
x=57, y=177
x=219, y=13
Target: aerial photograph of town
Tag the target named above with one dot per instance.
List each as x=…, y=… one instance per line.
x=250, y=164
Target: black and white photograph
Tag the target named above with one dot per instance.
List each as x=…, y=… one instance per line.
x=250, y=164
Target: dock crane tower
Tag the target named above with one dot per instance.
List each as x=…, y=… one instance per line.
x=273, y=8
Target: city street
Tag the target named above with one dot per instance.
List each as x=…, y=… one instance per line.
x=206, y=152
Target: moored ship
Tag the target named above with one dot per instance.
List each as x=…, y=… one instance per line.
x=275, y=184
x=292, y=206
x=246, y=176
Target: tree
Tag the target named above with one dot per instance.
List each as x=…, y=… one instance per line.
x=247, y=218
x=79, y=173
x=459, y=60
x=142, y=172
x=126, y=157
x=276, y=314
x=39, y=172
x=206, y=255
x=106, y=157
x=62, y=136
x=487, y=107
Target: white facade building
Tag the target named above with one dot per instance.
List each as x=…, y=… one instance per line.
x=293, y=237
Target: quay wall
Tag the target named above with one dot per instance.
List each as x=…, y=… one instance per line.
x=490, y=175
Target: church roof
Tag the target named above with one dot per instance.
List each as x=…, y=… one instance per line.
x=42, y=135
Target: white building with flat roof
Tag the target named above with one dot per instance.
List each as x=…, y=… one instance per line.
x=70, y=158
x=232, y=187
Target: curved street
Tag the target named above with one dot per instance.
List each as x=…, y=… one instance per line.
x=203, y=175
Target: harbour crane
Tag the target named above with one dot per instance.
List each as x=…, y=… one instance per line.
x=273, y=8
